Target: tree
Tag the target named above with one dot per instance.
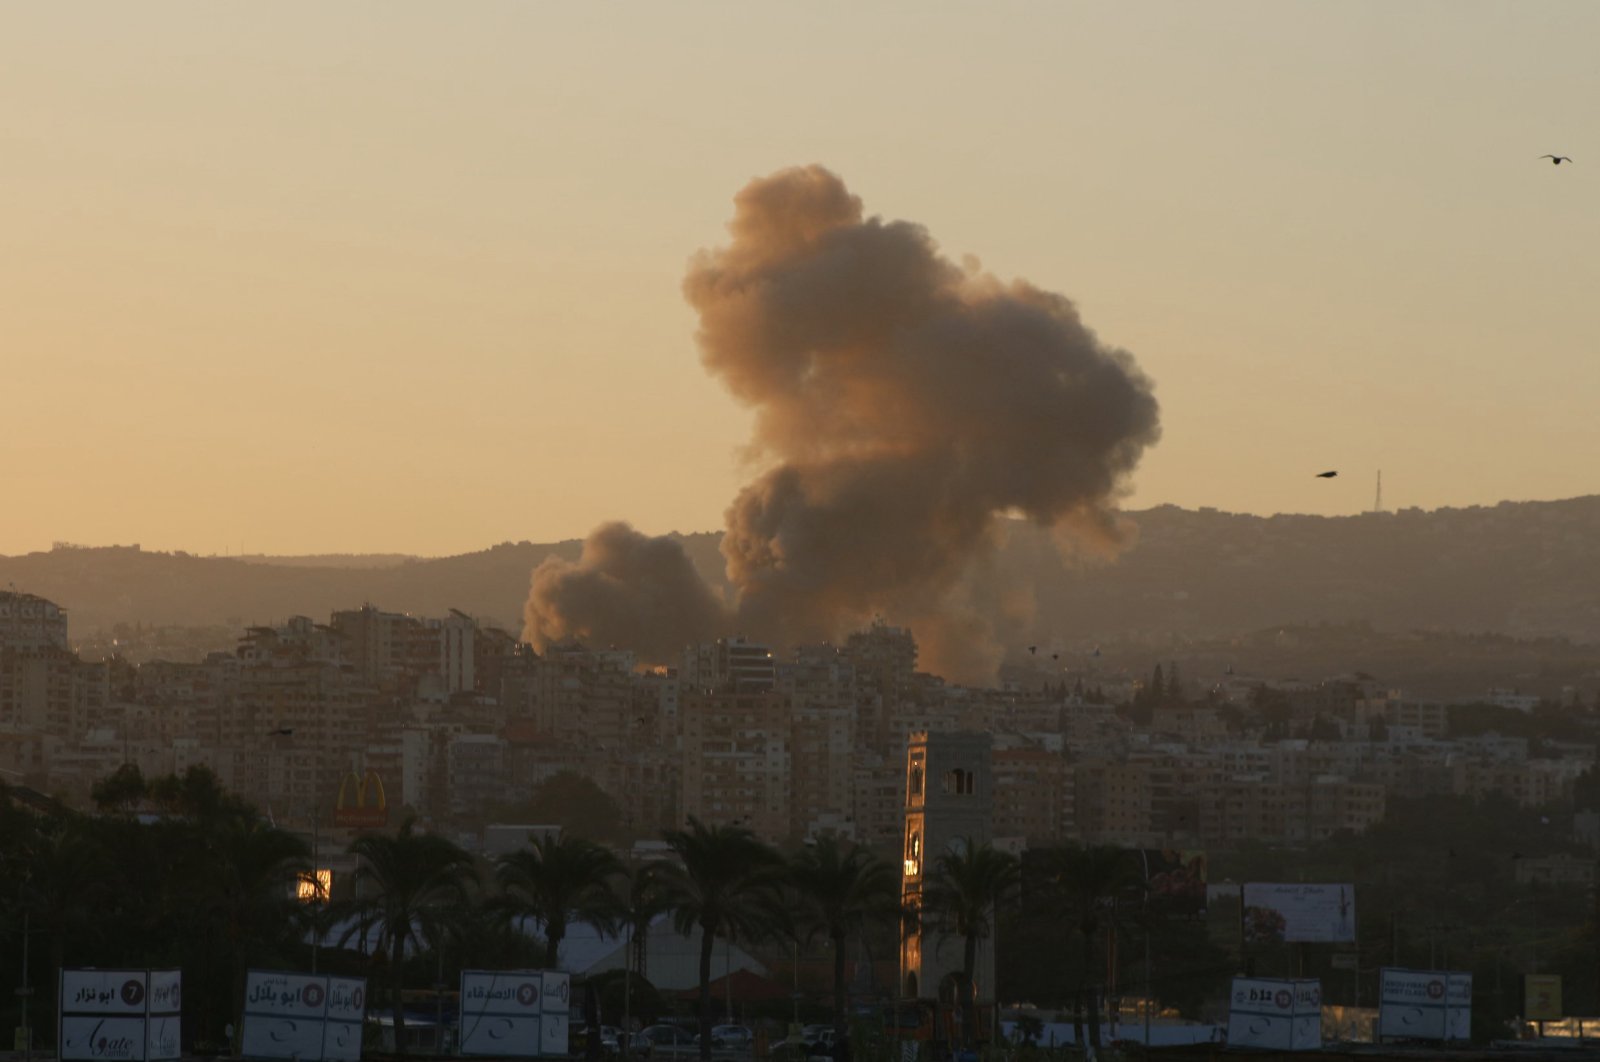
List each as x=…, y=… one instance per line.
x=840, y=891
x=967, y=884
x=557, y=880
x=243, y=888
x=412, y=889
x=725, y=882
x=1088, y=880
x=121, y=791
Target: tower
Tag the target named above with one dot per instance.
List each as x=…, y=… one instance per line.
x=949, y=802
x=1377, y=503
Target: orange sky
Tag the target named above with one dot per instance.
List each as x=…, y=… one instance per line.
x=405, y=277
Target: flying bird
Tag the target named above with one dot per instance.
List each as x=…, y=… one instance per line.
x=1326, y=475
x=1556, y=160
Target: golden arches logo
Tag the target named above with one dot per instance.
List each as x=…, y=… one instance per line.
x=362, y=802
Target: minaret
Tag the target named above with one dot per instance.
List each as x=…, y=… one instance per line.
x=949, y=802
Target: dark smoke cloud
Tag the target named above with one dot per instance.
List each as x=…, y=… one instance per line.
x=904, y=406
x=626, y=589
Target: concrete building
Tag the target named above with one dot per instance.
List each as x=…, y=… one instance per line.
x=735, y=754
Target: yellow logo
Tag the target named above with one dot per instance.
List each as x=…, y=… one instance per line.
x=362, y=803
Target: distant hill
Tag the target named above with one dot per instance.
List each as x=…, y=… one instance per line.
x=1521, y=568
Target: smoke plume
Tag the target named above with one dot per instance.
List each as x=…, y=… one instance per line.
x=904, y=406
x=626, y=589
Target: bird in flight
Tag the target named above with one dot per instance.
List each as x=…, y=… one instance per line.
x=1326, y=475
x=1556, y=160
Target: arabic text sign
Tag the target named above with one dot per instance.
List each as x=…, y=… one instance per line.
x=1425, y=1004
x=104, y=991
x=1541, y=997
x=1285, y=1015
x=501, y=1011
x=125, y=1015
x=303, y=1016
x=557, y=992
x=1299, y=913
x=347, y=1011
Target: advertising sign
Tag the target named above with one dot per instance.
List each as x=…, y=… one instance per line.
x=361, y=803
x=1541, y=997
x=1177, y=879
x=347, y=1011
x=1424, y=1004
x=302, y=1016
x=557, y=1003
x=1299, y=913
x=164, y=1023
x=1278, y=1014
x=502, y=1012
x=121, y=1015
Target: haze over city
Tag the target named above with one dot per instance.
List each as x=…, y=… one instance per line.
x=799, y=532
x=308, y=280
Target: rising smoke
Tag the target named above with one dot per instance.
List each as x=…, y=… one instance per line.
x=904, y=407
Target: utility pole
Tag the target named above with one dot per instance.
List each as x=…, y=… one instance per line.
x=1149, y=999
x=25, y=991
x=316, y=882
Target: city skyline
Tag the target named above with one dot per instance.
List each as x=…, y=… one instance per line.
x=325, y=291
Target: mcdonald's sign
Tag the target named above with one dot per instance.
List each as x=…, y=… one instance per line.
x=361, y=804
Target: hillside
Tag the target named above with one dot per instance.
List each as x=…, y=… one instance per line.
x=1520, y=568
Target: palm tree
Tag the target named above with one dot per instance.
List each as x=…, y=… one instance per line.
x=840, y=891
x=967, y=884
x=413, y=889
x=1088, y=879
x=724, y=882
x=244, y=887
x=557, y=880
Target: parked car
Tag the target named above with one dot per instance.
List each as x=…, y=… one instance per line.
x=661, y=1041
x=732, y=1037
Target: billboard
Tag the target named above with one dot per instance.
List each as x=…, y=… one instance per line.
x=502, y=1013
x=347, y=1014
x=122, y=1015
x=303, y=1016
x=1424, y=1004
x=1277, y=1014
x=1177, y=879
x=1541, y=997
x=553, y=1022
x=164, y=1024
x=1298, y=914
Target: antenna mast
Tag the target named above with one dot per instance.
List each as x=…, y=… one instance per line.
x=1377, y=503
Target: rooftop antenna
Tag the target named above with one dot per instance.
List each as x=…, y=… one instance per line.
x=1377, y=503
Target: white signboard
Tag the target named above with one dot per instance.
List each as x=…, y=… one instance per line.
x=104, y=992
x=101, y=1036
x=347, y=1012
x=1425, y=1005
x=553, y=1034
x=302, y=1016
x=123, y=1015
x=1299, y=913
x=1283, y=1015
x=164, y=1025
x=501, y=1012
x=557, y=1004
x=557, y=992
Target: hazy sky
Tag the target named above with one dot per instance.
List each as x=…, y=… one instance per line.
x=406, y=277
